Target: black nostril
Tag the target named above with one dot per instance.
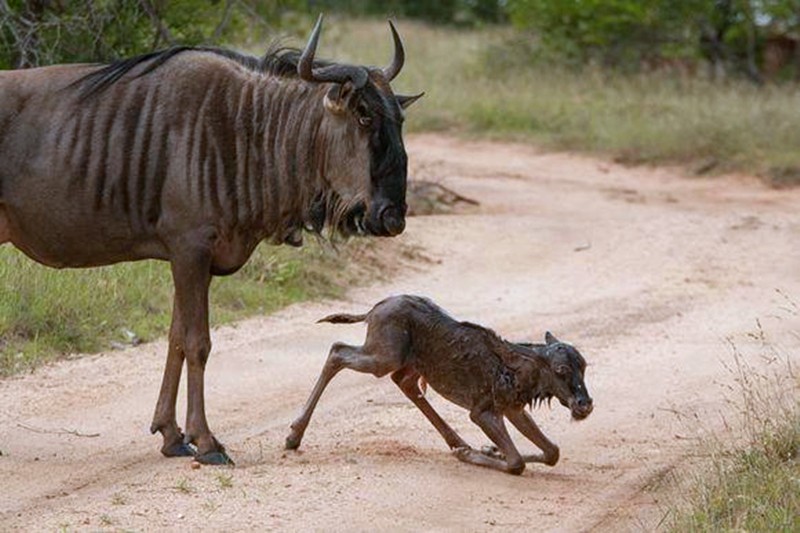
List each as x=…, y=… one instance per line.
x=584, y=402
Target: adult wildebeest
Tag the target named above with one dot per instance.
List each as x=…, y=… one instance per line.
x=194, y=156
x=412, y=338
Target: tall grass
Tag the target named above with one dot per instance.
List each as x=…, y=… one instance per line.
x=756, y=486
x=46, y=313
x=483, y=82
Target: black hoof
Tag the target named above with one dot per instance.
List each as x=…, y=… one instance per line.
x=178, y=450
x=215, y=458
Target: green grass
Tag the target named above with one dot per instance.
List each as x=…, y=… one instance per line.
x=46, y=313
x=755, y=487
x=483, y=83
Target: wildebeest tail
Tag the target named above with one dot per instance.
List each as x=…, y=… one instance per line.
x=343, y=318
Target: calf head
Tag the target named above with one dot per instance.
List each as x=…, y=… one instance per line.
x=567, y=367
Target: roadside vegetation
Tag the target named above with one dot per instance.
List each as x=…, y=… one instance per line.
x=755, y=485
x=46, y=313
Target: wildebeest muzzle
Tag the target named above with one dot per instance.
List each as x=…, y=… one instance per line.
x=386, y=218
x=382, y=219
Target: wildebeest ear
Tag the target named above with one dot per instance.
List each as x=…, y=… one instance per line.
x=406, y=101
x=337, y=96
x=549, y=338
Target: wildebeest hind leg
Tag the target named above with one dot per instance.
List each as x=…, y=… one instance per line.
x=164, y=417
x=492, y=424
x=408, y=381
x=341, y=356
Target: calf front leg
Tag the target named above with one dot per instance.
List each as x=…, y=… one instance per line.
x=492, y=424
x=526, y=425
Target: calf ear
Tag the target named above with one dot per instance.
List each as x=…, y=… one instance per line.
x=549, y=338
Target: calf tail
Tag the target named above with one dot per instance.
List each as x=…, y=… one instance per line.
x=343, y=318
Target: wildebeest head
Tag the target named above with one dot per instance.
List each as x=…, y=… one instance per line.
x=365, y=160
x=568, y=367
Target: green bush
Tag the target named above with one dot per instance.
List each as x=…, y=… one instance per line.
x=43, y=32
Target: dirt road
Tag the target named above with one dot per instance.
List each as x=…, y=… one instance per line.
x=647, y=272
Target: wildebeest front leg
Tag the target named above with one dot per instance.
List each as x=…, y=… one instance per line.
x=341, y=356
x=164, y=417
x=526, y=425
x=492, y=424
x=408, y=381
x=191, y=272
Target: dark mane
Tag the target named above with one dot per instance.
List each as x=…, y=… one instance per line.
x=278, y=61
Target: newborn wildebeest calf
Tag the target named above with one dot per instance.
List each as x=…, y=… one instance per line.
x=414, y=339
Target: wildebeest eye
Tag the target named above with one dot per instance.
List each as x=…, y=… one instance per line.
x=365, y=121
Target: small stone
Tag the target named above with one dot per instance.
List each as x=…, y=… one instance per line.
x=195, y=465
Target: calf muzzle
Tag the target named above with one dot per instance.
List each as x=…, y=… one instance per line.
x=581, y=407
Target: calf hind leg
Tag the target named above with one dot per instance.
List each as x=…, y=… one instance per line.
x=341, y=356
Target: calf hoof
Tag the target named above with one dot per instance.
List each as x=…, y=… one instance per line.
x=463, y=453
x=292, y=442
x=219, y=458
x=294, y=437
x=178, y=449
x=550, y=459
x=493, y=451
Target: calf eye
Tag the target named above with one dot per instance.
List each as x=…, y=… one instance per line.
x=365, y=121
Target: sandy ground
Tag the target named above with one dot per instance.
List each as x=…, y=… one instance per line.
x=649, y=273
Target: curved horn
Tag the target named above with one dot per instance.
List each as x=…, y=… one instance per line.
x=331, y=73
x=304, y=66
x=394, y=69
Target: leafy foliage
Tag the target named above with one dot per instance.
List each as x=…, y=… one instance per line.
x=614, y=31
x=41, y=32
x=730, y=34
x=441, y=11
